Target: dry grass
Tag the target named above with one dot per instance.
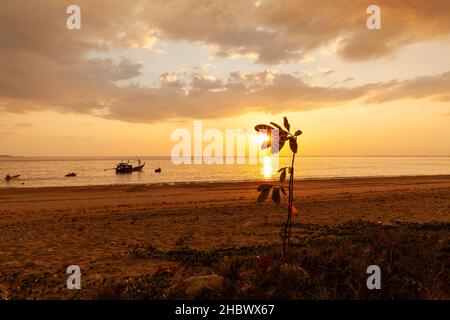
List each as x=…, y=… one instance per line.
x=325, y=263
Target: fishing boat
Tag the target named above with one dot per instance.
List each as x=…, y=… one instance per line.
x=8, y=177
x=126, y=167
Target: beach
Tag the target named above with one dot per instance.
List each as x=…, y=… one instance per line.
x=43, y=230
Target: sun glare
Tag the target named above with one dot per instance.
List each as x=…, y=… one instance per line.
x=263, y=138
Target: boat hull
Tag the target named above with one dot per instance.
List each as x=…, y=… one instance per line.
x=138, y=168
x=129, y=169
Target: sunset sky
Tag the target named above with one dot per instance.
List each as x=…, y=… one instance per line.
x=137, y=70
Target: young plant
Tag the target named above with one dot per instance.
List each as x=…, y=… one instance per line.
x=277, y=137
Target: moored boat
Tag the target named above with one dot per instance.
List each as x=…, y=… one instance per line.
x=8, y=177
x=125, y=167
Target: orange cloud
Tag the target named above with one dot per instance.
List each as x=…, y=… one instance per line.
x=45, y=66
x=278, y=31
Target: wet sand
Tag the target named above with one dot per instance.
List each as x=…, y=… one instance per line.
x=43, y=230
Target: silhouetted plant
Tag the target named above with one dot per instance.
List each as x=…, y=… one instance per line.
x=277, y=139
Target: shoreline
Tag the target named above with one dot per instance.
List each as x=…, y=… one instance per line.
x=194, y=183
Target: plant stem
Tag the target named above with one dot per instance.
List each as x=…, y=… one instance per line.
x=287, y=226
x=291, y=205
x=291, y=199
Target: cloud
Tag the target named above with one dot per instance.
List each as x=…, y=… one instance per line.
x=432, y=87
x=45, y=66
x=279, y=31
x=325, y=71
x=24, y=125
x=259, y=91
x=7, y=133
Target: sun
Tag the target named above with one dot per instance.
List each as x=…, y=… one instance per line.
x=263, y=138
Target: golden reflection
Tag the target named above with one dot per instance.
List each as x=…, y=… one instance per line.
x=267, y=169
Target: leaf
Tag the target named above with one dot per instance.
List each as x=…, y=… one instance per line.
x=281, y=169
x=298, y=132
x=278, y=139
x=263, y=195
x=283, y=176
x=283, y=136
x=282, y=133
x=286, y=124
x=264, y=128
x=276, y=196
x=277, y=126
x=263, y=187
x=293, y=144
x=283, y=190
x=266, y=144
x=276, y=146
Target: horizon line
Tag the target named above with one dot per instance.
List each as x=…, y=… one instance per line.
x=281, y=156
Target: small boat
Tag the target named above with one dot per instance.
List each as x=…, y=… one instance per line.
x=125, y=167
x=158, y=170
x=8, y=177
x=71, y=174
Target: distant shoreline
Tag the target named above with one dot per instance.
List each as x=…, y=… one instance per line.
x=214, y=184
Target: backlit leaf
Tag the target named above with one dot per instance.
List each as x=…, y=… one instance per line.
x=263, y=187
x=276, y=196
x=277, y=146
x=263, y=195
x=277, y=126
x=298, y=132
x=282, y=133
x=286, y=124
x=278, y=139
x=283, y=176
x=293, y=144
x=264, y=128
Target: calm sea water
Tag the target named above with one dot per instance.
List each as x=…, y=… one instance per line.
x=40, y=172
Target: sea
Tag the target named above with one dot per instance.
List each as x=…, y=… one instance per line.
x=51, y=171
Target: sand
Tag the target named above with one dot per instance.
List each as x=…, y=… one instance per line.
x=46, y=229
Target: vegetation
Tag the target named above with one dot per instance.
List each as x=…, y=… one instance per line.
x=325, y=262
x=277, y=139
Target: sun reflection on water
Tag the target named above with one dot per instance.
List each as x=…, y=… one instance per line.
x=267, y=169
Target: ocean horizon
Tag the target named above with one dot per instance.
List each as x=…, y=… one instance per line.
x=51, y=171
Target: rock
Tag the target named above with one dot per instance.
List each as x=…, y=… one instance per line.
x=250, y=223
x=196, y=284
x=3, y=293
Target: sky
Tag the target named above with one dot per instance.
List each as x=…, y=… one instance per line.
x=137, y=70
